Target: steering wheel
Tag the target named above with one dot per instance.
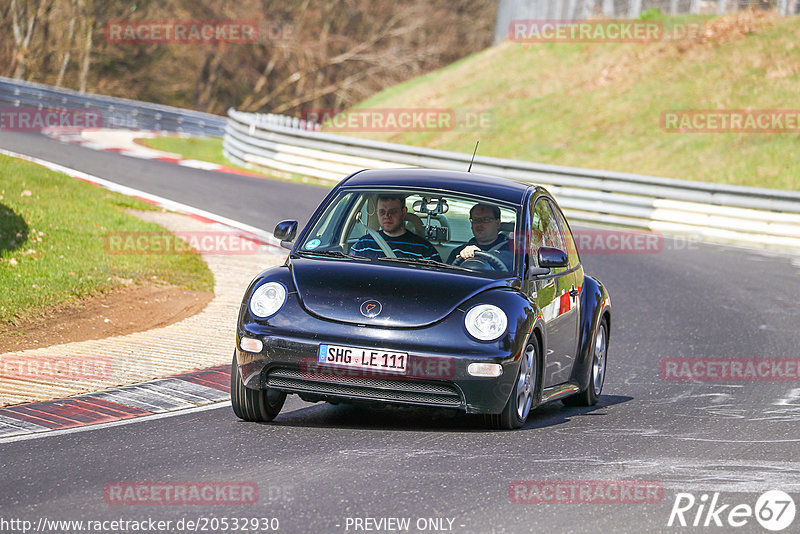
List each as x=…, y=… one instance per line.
x=484, y=258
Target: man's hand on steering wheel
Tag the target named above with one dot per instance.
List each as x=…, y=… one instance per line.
x=477, y=255
x=469, y=252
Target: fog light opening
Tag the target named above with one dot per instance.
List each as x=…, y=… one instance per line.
x=491, y=370
x=251, y=345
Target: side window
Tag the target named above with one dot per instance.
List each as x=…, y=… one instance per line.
x=545, y=229
x=570, y=249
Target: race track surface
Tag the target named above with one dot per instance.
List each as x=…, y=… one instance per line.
x=320, y=467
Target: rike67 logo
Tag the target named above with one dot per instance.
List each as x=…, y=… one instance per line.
x=774, y=510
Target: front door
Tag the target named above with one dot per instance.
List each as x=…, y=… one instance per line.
x=557, y=296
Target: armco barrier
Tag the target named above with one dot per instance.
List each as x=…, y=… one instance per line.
x=714, y=212
x=116, y=112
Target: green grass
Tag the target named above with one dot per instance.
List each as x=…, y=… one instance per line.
x=210, y=149
x=199, y=148
x=53, y=249
x=598, y=105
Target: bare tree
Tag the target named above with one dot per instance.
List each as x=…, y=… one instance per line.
x=67, y=49
x=25, y=16
x=311, y=53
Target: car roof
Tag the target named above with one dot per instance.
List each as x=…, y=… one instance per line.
x=502, y=189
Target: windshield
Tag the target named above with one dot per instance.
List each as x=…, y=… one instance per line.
x=432, y=228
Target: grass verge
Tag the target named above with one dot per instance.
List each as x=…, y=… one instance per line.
x=210, y=149
x=599, y=105
x=200, y=148
x=53, y=231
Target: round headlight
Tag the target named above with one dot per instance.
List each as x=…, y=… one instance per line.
x=267, y=299
x=486, y=322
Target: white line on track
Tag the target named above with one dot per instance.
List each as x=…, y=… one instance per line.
x=263, y=235
x=98, y=426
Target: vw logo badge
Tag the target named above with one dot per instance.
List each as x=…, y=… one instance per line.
x=371, y=308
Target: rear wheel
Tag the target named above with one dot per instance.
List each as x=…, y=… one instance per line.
x=520, y=402
x=257, y=405
x=598, y=374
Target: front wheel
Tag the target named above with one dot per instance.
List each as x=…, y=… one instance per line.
x=257, y=405
x=520, y=402
x=598, y=375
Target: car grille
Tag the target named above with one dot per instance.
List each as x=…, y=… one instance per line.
x=405, y=391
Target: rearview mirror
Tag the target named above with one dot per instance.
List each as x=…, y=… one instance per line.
x=285, y=231
x=434, y=206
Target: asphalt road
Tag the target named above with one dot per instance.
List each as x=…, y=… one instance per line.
x=320, y=467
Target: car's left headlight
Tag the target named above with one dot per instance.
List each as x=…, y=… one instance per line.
x=486, y=322
x=267, y=299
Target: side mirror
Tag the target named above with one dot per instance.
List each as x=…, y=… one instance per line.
x=552, y=257
x=286, y=231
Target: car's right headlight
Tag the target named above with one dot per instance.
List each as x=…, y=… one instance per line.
x=267, y=299
x=486, y=322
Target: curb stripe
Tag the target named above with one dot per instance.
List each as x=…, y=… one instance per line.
x=77, y=139
x=215, y=377
x=10, y=426
x=139, y=397
x=174, y=393
x=48, y=418
x=182, y=389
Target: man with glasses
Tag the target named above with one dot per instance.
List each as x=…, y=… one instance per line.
x=485, y=221
x=392, y=212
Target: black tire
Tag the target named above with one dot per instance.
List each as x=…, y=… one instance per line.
x=597, y=374
x=523, y=394
x=256, y=405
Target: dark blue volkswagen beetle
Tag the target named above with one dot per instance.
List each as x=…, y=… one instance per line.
x=378, y=302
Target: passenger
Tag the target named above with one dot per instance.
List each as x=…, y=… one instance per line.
x=391, y=214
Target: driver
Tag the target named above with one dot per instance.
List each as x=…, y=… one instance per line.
x=392, y=211
x=485, y=220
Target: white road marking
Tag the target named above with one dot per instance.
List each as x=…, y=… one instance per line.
x=140, y=419
x=171, y=205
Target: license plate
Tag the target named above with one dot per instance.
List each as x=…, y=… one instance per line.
x=375, y=359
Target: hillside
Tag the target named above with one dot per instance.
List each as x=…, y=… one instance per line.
x=599, y=105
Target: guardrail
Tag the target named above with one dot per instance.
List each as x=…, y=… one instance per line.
x=714, y=212
x=115, y=112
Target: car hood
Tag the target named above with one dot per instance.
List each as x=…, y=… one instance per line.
x=409, y=296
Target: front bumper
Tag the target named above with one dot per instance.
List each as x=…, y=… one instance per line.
x=437, y=375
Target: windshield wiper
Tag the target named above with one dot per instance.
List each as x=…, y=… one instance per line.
x=422, y=261
x=331, y=254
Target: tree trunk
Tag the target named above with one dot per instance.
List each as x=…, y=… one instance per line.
x=86, y=51
x=68, y=46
